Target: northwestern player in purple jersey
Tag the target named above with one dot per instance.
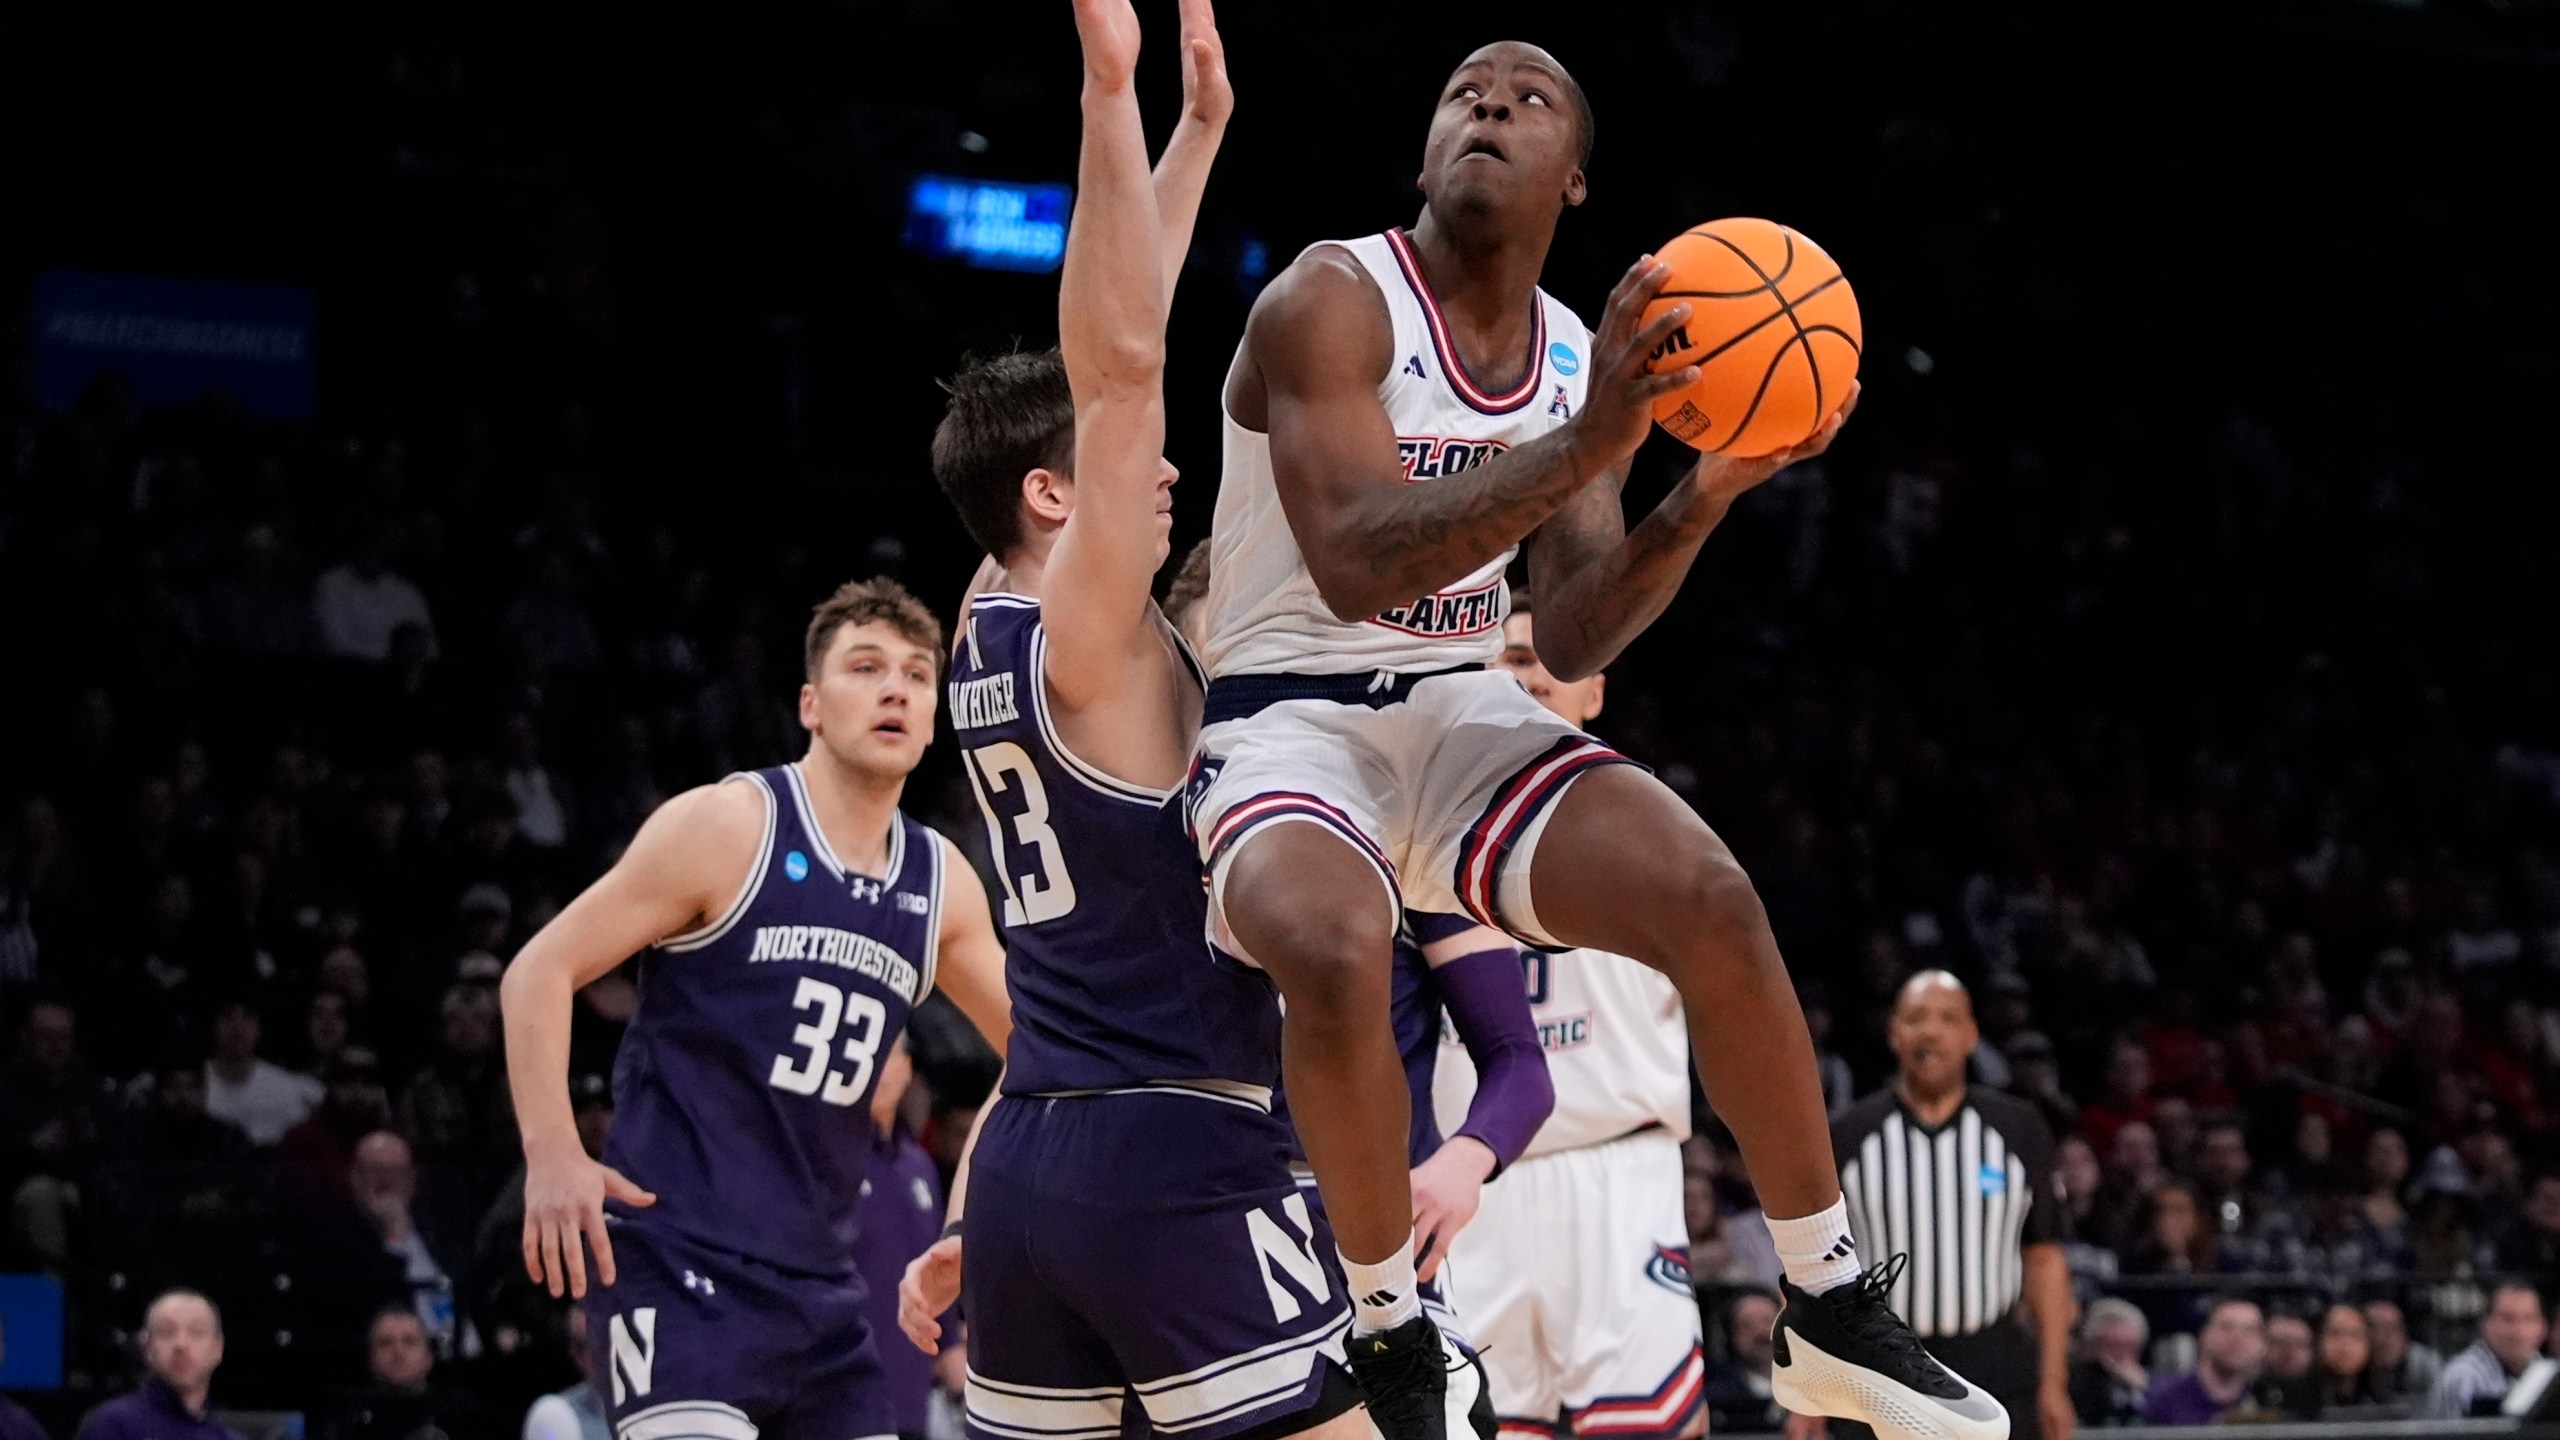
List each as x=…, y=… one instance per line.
x=1137, y=1252
x=787, y=921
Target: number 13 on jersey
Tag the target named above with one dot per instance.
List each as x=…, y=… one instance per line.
x=1029, y=861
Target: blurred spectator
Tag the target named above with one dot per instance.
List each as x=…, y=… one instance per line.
x=2174, y=1239
x=542, y=817
x=2382, y=1222
x=327, y=1031
x=52, y=1113
x=314, y=1158
x=457, y=1108
x=2173, y=1122
x=1711, y=1257
x=2225, y=1195
x=2530, y=1243
x=176, y=1126
x=1740, y=1226
x=2511, y=1336
x=2118, y=1217
x=2127, y=1098
x=401, y=1400
x=2287, y=1386
x=361, y=601
x=2108, y=1382
x=2036, y=1075
x=1738, y=1394
x=2230, y=1354
x=181, y=1348
x=577, y=1413
x=2400, y=1371
x=265, y=1100
x=2342, y=1376
x=384, y=1184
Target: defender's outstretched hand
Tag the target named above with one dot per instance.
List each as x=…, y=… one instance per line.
x=1108, y=30
x=1207, y=98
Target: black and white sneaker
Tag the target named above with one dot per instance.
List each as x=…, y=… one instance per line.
x=1844, y=1353
x=1406, y=1374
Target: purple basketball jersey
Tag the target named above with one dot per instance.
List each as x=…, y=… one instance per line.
x=743, y=1088
x=1113, y=980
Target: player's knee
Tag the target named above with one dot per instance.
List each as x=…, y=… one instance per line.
x=1326, y=958
x=1714, y=911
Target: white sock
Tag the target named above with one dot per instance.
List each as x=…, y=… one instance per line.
x=1816, y=1249
x=1384, y=1295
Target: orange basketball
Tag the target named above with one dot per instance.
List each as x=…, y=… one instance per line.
x=1773, y=328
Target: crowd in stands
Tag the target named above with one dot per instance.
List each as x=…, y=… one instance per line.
x=2213, y=741
x=300, y=782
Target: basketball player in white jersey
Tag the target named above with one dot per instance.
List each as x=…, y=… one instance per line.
x=1405, y=410
x=1575, y=1276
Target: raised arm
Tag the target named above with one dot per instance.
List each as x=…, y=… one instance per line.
x=1182, y=172
x=1097, y=589
x=687, y=864
x=1599, y=584
x=1315, y=348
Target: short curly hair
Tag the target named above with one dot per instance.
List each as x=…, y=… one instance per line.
x=880, y=601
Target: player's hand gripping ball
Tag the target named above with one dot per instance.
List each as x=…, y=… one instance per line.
x=1773, y=329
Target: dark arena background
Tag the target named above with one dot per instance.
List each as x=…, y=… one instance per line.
x=2170, y=647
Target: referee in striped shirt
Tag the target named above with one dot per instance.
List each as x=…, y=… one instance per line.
x=1963, y=1181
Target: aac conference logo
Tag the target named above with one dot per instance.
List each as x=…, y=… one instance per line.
x=1561, y=356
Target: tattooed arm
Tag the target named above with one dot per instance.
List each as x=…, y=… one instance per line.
x=1600, y=584
x=1317, y=346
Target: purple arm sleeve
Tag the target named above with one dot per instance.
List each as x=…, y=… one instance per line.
x=1489, y=1004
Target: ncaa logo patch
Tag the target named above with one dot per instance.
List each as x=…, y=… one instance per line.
x=1993, y=1180
x=1561, y=356
x=1669, y=1268
x=796, y=865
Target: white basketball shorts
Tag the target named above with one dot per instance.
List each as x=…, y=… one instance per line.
x=1574, y=1280
x=1443, y=782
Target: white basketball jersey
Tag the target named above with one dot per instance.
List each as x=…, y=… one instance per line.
x=1263, y=610
x=1617, y=1049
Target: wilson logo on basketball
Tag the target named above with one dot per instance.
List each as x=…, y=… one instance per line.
x=1672, y=344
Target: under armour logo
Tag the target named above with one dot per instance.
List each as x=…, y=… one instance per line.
x=700, y=1285
x=864, y=889
x=1413, y=366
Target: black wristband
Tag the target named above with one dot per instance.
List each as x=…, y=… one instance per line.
x=948, y=1231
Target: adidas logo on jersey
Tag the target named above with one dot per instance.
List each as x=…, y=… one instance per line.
x=1413, y=367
